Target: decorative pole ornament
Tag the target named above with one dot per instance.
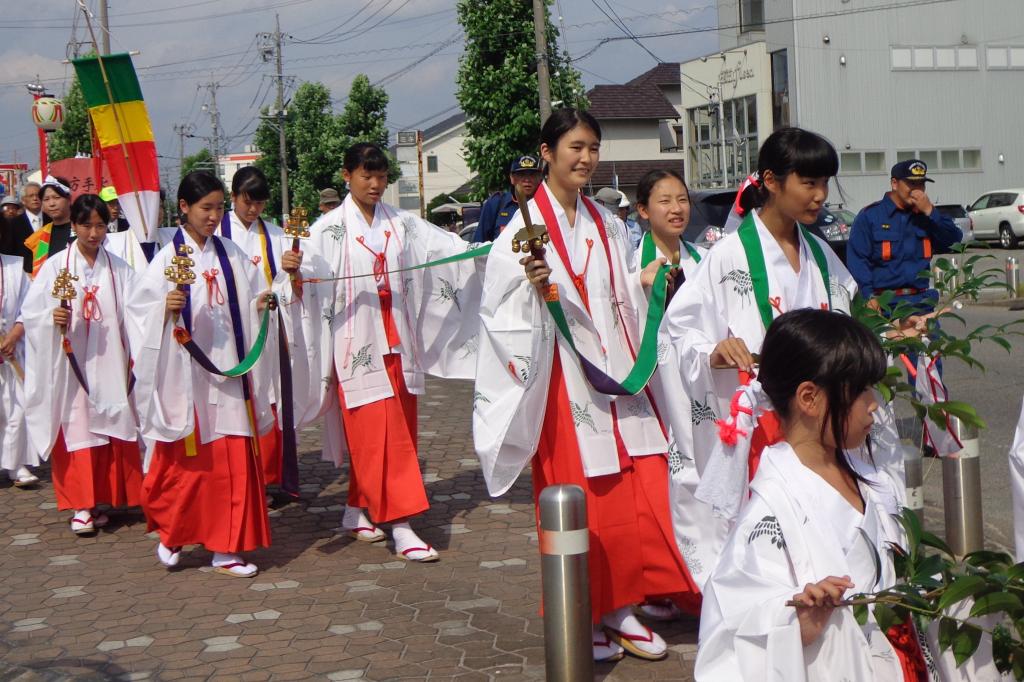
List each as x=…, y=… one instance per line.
x=180, y=270
x=48, y=113
x=531, y=237
x=64, y=290
x=297, y=227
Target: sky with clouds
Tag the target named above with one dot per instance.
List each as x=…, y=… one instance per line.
x=411, y=47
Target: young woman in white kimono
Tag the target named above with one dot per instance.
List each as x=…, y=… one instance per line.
x=818, y=527
x=369, y=334
x=533, y=400
x=203, y=483
x=15, y=456
x=716, y=323
x=265, y=245
x=83, y=420
x=663, y=200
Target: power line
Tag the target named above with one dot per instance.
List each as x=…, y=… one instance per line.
x=618, y=23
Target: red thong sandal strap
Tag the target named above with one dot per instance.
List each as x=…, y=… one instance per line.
x=635, y=638
x=360, y=529
x=233, y=564
x=428, y=548
x=78, y=520
x=607, y=642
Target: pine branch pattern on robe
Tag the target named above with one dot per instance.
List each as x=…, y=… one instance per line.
x=478, y=398
x=742, y=284
x=362, y=358
x=449, y=293
x=581, y=415
x=702, y=412
x=337, y=232
x=524, y=372
x=470, y=347
x=768, y=526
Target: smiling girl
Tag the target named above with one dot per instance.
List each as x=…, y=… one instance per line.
x=769, y=266
x=535, y=401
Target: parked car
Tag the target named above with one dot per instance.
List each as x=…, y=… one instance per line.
x=999, y=215
x=959, y=215
x=834, y=225
x=468, y=231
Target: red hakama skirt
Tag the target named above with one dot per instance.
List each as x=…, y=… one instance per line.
x=633, y=553
x=271, y=453
x=103, y=474
x=384, y=473
x=214, y=498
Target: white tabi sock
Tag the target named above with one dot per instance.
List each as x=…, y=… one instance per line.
x=405, y=537
x=355, y=518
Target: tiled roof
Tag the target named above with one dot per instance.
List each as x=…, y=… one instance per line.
x=666, y=73
x=630, y=101
x=630, y=172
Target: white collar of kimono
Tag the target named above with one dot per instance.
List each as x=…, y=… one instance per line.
x=770, y=245
x=556, y=206
x=194, y=244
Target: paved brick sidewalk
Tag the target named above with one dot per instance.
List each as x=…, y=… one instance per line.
x=322, y=607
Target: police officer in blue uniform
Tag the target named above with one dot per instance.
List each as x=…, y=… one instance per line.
x=524, y=175
x=893, y=240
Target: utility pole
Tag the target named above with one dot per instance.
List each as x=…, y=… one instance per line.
x=211, y=109
x=270, y=43
x=541, y=43
x=104, y=27
x=182, y=130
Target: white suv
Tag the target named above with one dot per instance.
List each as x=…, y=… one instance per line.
x=999, y=215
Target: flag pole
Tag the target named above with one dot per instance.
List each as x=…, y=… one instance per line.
x=121, y=133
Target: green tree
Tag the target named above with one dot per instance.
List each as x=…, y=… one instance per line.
x=75, y=135
x=365, y=112
x=315, y=148
x=497, y=86
x=201, y=160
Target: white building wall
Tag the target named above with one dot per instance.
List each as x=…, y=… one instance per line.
x=633, y=140
x=452, y=171
x=867, y=105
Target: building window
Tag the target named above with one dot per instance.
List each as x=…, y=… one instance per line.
x=949, y=160
x=432, y=164
x=865, y=163
x=751, y=15
x=1000, y=58
x=737, y=126
x=928, y=58
x=780, y=89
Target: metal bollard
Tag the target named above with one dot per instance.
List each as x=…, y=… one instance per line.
x=913, y=468
x=564, y=544
x=1012, y=277
x=955, y=280
x=961, y=492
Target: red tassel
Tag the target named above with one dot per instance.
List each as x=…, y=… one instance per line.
x=728, y=432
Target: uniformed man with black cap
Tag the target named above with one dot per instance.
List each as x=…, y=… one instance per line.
x=524, y=175
x=893, y=240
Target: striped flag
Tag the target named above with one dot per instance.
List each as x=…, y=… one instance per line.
x=125, y=136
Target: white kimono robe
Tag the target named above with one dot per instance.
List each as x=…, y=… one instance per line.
x=519, y=340
x=337, y=326
x=13, y=452
x=55, y=400
x=172, y=390
x=717, y=302
x=797, y=529
x=125, y=245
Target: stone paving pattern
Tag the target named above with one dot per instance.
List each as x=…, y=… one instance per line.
x=323, y=606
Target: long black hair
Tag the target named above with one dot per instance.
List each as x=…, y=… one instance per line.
x=366, y=155
x=830, y=349
x=197, y=185
x=562, y=121
x=83, y=207
x=652, y=178
x=791, y=150
x=251, y=183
